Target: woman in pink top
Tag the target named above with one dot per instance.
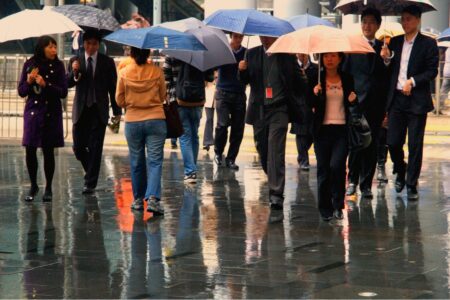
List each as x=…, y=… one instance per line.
x=333, y=104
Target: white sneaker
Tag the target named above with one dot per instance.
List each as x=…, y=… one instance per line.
x=190, y=178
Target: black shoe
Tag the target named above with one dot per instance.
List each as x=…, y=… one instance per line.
x=327, y=218
x=87, y=190
x=48, y=196
x=218, y=159
x=276, y=206
x=351, y=189
x=366, y=193
x=231, y=165
x=338, y=214
x=32, y=193
x=304, y=167
x=206, y=148
x=399, y=183
x=412, y=193
x=381, y=174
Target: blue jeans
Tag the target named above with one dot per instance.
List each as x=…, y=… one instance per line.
x=189, y=142
x=146, y=172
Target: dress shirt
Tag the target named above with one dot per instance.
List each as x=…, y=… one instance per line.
x=404, y=61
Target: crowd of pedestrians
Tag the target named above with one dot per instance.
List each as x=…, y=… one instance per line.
x=389, y=88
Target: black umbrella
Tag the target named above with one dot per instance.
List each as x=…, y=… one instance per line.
x=88, y=16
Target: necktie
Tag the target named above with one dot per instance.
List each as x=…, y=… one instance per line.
x=90, y=95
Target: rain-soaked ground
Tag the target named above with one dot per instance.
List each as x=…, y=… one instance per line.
x=218, y=239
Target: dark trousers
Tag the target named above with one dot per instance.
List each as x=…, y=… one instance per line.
x=331, y=148
x=270, y=140
x=304, y=143
x=382, y=148
x=362, y=163
x=401, y=123
x=230, y=108
x=208, y=134
x=88, y=136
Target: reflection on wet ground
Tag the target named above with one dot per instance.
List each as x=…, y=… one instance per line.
x=219, y=238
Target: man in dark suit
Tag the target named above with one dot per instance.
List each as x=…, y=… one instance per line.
x=95, y=77
x=369, y=73
x=276, y=86
x=413, y=62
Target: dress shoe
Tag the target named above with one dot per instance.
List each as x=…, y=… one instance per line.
x=304, y=167
x=276, y=203
x=231, y=165
x=399, y=183
x=412, y=193
x=327, y=218
x=338, y=214
x=381, y=174
x=88, y=190
x=366, y=193
x=34, y=189
x=218, y=159
x=48, y=196
x=351, y=189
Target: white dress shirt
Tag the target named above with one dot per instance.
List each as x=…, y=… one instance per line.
x=94, y=61
x=404, y=61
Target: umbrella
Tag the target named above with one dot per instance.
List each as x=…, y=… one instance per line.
x=444, y=36
x=444, y=44
x=89, y=16
x=386, y=7
x=219, y=51
x=248, y=22
x=307, y=20
x=155, y=38
x=33, y=23
x=320, y=39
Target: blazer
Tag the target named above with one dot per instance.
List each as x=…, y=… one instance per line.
x=422, y=66
x=105, y=78
x=291, y=76
x=370, y=75
x=352, y=110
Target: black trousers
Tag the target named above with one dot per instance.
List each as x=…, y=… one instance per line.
x=362, y=163
x=88, y=136
x=304, y=143
x=208, y=134
x=382, y=148
x=331, y=148
x=230, y=109
x=401, y=123
x=270, y=140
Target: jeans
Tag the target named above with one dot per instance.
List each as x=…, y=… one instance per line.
x=146, y=172
x=189, y=141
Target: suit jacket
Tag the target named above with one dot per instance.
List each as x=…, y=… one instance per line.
x=352, y=110
x=370, y=75
x=105, y=79
x=254, y=76
x=422, y=66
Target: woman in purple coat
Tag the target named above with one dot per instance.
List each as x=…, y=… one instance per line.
x=43, y=83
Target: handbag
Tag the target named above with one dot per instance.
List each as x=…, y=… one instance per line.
x=359, y=134
x=173, y=121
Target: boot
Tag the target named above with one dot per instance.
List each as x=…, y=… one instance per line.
x=381, y=174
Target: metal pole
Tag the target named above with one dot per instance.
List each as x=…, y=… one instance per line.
x=156, y=12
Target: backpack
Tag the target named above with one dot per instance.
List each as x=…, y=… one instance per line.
x=190, y=84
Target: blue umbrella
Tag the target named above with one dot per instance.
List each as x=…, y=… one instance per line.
x=156, y=38
x=249, y=22
x=307, y=20
x=444, y=36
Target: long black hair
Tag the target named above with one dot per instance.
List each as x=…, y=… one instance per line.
x=140, y=56
x=39, y=50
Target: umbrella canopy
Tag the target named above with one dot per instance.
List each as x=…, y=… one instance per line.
x=33, y=23
x=444, y=44
x=386, y=7
x=444, y=36
x=89, y=16
x=155, y=38
x=248, y=22
x=307, y=20
x=219, y=51
x=320, y=39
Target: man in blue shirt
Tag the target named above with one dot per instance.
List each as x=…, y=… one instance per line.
x=230, y=106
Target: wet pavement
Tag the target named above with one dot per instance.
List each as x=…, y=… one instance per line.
x=219, y=238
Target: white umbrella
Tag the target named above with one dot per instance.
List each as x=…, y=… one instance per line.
x=33, y=23
x=219, y=51
x=445, y=44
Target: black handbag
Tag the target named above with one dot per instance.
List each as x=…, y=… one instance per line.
x=173, y=121
x=359, y=134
